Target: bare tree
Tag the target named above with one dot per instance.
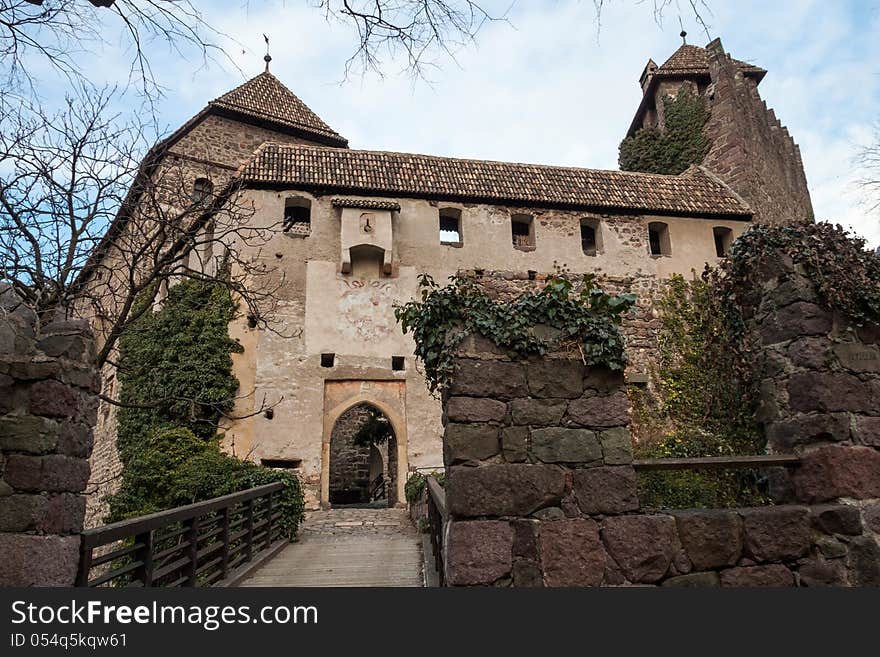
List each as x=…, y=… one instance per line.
x=89, y=230
x=58, y=32
x=868, y=161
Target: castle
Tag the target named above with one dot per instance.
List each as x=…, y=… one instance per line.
x=358, y=227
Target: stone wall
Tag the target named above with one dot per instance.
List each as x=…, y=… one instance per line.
x=48, y=405
x=541, y=491
x=349, y=463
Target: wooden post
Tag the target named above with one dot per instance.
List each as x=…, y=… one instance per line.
x=144, y=554
x=85, y=563
x=193, y=551
x=268, y=520
x=249, y=540
x=224, y=536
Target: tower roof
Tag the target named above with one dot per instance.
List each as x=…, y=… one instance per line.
x=694, y=60
x=264, y=98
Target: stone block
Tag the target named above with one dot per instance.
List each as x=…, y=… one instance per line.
x=75, y=439
x=30, y=560
x=557, y=378
x=857, y=357
x=616, y=446
x=27, y=433
x=604, y=379
x=514, y=443
x=53, y=473
x=776, y=533
x=475, y=409
x=794, y=321
x=643, y=546
x=527, y=574
x=63, y=514
x=503, y=490
x=784, y=435
x=817, y=573
x=53, y=399
x=836, y=519
x=772, y=575
x=605, y=490
x=867, y=431
x=72, y=346
x=488, y=378
x=563, y=445
x=537, y=412
x=694, y=581
x=611, y=410
x=572, y=553
x=21, y=513
x=835, y=471
x=525, y=545
x=812, y=353
x=470, y=442
x=864, y=561
x=711, y=538
x=794, y=289
x=872, y=516
x=829, y=393
x=478, y=552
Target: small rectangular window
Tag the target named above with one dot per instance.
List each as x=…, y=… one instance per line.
x=658, y=239
x=591, y=237
x=450, y=226
x=398, y=363
x=286, y=464
x=522, y=230
x=327, y=360
x=297, y=216
x=723, y=239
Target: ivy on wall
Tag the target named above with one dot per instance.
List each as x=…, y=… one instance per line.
x=176, y=382
x=681, y=144
x=561, y=315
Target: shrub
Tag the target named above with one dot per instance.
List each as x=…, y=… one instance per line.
x=415, y=485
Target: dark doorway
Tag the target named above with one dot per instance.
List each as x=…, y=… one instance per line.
x=361, y=472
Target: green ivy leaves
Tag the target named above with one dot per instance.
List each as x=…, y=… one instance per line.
x=580, y=317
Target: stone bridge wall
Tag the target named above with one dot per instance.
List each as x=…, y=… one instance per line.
x=541, y=490
x=47, y=411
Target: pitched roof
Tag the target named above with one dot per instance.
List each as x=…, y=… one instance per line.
x=424, y=176
x=266, y=99
x=694, y=60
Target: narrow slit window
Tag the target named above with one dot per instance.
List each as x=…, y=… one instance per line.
x=658, y=239
x=297, y=216
x=522, y=229
x=285, y=464
x=450, y=226
x=328, y=360
x=723, y=240
x=591, y=237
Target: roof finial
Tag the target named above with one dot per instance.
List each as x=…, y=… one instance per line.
x=683, y=36
x=268, y=57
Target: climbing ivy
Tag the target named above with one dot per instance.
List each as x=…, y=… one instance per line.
x=560, y=315
x=681, y=144
x=375, y=430
x=176, y=382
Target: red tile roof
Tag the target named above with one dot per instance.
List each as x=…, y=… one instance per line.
x=265, y=98
x=423, y=176
x=694, y=60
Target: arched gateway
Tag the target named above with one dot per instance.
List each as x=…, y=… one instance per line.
x=350, y=474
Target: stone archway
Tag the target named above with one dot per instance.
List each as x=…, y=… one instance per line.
x=389, y=397
x=361, y=473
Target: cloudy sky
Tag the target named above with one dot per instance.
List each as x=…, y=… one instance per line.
x=548, y=87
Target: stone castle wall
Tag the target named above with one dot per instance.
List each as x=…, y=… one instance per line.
x=541, y=490
x=47, y=410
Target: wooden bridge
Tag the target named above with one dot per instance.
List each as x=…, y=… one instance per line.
x=239, y=540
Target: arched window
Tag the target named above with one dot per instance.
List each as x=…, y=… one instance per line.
x=658, y=239
x=203, y=190
x=723, y=239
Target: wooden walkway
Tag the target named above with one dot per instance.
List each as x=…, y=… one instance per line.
x=348, y=547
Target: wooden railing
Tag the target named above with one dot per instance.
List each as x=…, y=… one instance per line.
x=437, y=517
x=201, y=544
x=718, y=462
x=377, y=488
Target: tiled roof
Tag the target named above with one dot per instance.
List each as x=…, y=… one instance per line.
x=365, y=203
x=694, y=60
x=425, y=176
x=264, y=97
